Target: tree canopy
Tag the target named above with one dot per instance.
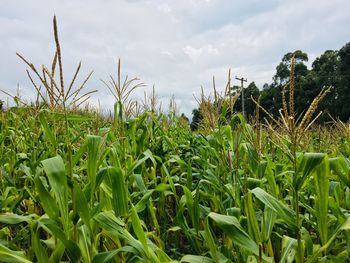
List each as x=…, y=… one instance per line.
x=332, y=68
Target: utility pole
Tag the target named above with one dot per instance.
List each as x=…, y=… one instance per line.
x=242, y=91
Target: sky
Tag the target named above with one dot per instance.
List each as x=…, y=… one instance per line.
x=175, y=45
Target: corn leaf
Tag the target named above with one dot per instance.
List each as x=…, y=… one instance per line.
x=308, y=163
x=283, y=211
x=73, y=250
x=47, y=130
x=11, y=256
x=48, y=202
x=321, y=200
x=119, y=191
x=232, y=228
x=56, y=173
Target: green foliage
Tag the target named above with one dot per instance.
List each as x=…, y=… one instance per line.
x=165, y=194
x=330, y=69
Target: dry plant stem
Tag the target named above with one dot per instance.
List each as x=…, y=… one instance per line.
x=36, y=87
x=83, y=97
x=14, y=97
x=228, y=91
x=76, y=93
x=306, y=120
x=258, y=128
x=80, y=103
x=55, y=98
x=340, y=125
x=284, y=104
x=265, y=111
x=31, y=66
x=51, y=87
x=58, y=50
x=54, y=63
x=74, y=78
x=291, y=87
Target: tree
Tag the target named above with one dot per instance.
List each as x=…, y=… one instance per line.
x=271, y=97
x=332, y=68
x=196, y=119
x=283, y=69
x=267, y=99
x=344, y=83
x=324, y=72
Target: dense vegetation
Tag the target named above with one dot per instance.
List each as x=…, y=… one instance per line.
x=140, y=186
x=332, y=68
x=147, y=189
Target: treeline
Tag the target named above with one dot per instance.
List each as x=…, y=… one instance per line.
x=332, y=68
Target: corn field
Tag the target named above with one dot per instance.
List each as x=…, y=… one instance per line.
x=147, y=189
x=140, y=186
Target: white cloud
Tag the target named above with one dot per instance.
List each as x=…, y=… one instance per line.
x=164, y=8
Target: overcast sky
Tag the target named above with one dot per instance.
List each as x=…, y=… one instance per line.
x=178, y=45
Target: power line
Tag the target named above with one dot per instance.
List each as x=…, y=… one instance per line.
x=242, y=92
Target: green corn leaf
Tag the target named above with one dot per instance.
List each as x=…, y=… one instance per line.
x=210, y=241
x=39, y=250
x=283, y=211
x=93, y=148
x=58, y=252
x=139, y=182
x=11, y=256
x=270, y=177
x=252, y=156
x=321, y=201
x=341, y=167
x=78, y=155
x=147, y=155
x=268, y=222
x=108, y=256
x=309, y=246
x=289, y=249
x=196, y=259
x=56, y=173
x=252, y=221
x=115, y=226
x=12, y=219
x=109, y=221
x=317, y=253
x=144, y=200
x=101, y=175
x=71, y=117
x=85, y=243
x=73, y=250
x=119, y=191
x=82, y=206
x=308, y=163
x=47, y=130
x=192, y=206
x=47, y=201
x=138, y=230
x=232, y=228
x=105, y=257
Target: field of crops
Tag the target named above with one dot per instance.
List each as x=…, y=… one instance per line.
x=140, y=186
x=78, y=187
